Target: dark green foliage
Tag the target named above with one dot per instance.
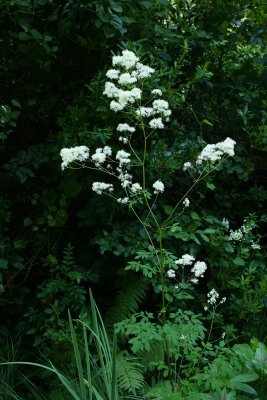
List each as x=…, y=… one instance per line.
x=127, y=301
x=212, y=69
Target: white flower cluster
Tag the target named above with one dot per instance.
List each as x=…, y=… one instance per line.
x=171, y=273
x=186, y=202
x=199, y=269
x=130, y=71
x=136, y=187
x=100, y=187
x=123, y=157
x=125, y=128
x=156, y=92
x=100, y=155
x=156, y=123
x=214, y=152
x=255, y=246
x=160, y=107
x=188, y=165
x=212, y=298
x=186, y=259
x=158, y=186
x=134, y=71
x=69, y=155
x=238, y=234
x=225, y=223
x=123, y=200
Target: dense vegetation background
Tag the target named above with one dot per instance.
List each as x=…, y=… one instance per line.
x=57, y=238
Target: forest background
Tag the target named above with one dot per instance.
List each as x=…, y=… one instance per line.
x=58, y=238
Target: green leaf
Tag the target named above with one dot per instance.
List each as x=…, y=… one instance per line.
x=3, y=263
x=246, y=388
x=203, y=236
x=27, y=221
x=211, y=186
x=195, y=216
x=23, y=36
x=115, y=6
x=239, y=261
x=205, y=121
x=15, y=103
x=242, y=378
x=37, y=35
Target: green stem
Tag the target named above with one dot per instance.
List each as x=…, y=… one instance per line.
x=163, y=311
x=161, y=260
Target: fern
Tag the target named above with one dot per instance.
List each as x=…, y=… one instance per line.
x=68, y=262
x=152, y=358
x=127, y=301
x=129, y=377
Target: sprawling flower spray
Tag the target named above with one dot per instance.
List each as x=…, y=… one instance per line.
x=125, y=91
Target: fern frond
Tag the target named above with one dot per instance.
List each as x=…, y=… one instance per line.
x=68, y=262
x=153, y=356
x=128, y=300
x=129, y=376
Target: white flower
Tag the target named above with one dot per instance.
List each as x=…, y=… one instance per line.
x=199, y=269
x=78, y=153
x=255, y=246
x=187, y=165
x=186, y=202
x=162, y=106
x=123, y=157
x=209, y=153
x=183, y=337
x=125, y=178
x=123, y=139
x=136, y=93
x=125, y=128
x=111, y=90
x=156, y=92
x=145, y=111
x=143, y=71
x=194, y=280
x=123, y=200
x=227, y=146
x=127, y=60
x=158, y=186
x=136, y=187
x=115, y=106
x=99, y=157
x=156, y=123
x=107, y=151
x=236, y=235
x=99, y=187
x=171, y=273
x=225, y=223
x=186, y=259
x=205, y=308
x=126, y=79
x=113, y=74
x=214, y=152
x=212, y=297
x=129, y=96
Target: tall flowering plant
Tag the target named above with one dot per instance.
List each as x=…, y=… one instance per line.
x=143, y=115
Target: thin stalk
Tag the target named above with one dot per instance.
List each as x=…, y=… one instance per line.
x=189, y=191
x=163, y=312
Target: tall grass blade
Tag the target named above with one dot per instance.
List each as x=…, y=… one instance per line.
x=88, y=364
x=78, y=359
